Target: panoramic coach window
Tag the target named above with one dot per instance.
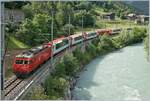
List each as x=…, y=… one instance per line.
x=78, y=38
x=66, y=41
x=59, y=45
x=91, y=34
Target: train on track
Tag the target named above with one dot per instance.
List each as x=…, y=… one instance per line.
x=28, y=61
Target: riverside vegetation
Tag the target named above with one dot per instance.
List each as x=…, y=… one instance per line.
x=56, y=84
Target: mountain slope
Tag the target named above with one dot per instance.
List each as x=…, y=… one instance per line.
x=142, y=7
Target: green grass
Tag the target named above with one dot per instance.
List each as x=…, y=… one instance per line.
x=118, y=24
x=13, y=43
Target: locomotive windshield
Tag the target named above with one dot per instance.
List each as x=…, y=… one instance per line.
x=19, y=61
x=22, y=62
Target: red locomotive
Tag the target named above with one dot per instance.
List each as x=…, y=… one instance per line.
x=30, y=60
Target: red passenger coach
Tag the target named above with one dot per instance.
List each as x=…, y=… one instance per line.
x=30, y=60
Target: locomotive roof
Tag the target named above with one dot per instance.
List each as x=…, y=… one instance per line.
x=30, y=53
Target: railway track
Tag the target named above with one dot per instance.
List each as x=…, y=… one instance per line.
x=15, y=87
x=12, y=86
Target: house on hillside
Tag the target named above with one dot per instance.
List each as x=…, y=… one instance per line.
x=108, y=16
x=13, y=15
x=131, y=16
x=142, y=19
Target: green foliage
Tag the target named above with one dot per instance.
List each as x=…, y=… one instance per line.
x=56, y=84
x=120, y=8
x=87, y=19
x=39, y=20
x=127, y=38
x=13, y=43
x=66, y=29
x=71, y=64
x=54, y=87
x=92, y=50
x=11, y=28
x=106, y=44
x=82, y=57
x=37, y=93
x=84, y=5
x=68, y=66
x=15, y=4
x=31, y=31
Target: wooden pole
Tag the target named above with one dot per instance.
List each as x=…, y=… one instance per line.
x=2, y=47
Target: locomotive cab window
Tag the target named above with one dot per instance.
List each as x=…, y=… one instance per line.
x=19, y=61
x=26, y=62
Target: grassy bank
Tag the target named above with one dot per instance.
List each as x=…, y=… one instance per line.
x=13, y=43
x=55, y=85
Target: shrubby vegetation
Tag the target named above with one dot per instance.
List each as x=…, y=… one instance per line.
x=128, y=38
x=54, y=87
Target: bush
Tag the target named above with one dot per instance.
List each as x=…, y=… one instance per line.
x=71, y=64
x=127, y=38
x=82, y=57
x=68, y=66
x=55, y=87
x=106, y=44
x=92, y=50
x=37, y=93
x=31, y=30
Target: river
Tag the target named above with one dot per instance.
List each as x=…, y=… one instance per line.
x=121, y=75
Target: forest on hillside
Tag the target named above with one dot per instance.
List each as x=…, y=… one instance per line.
x=36, y=27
